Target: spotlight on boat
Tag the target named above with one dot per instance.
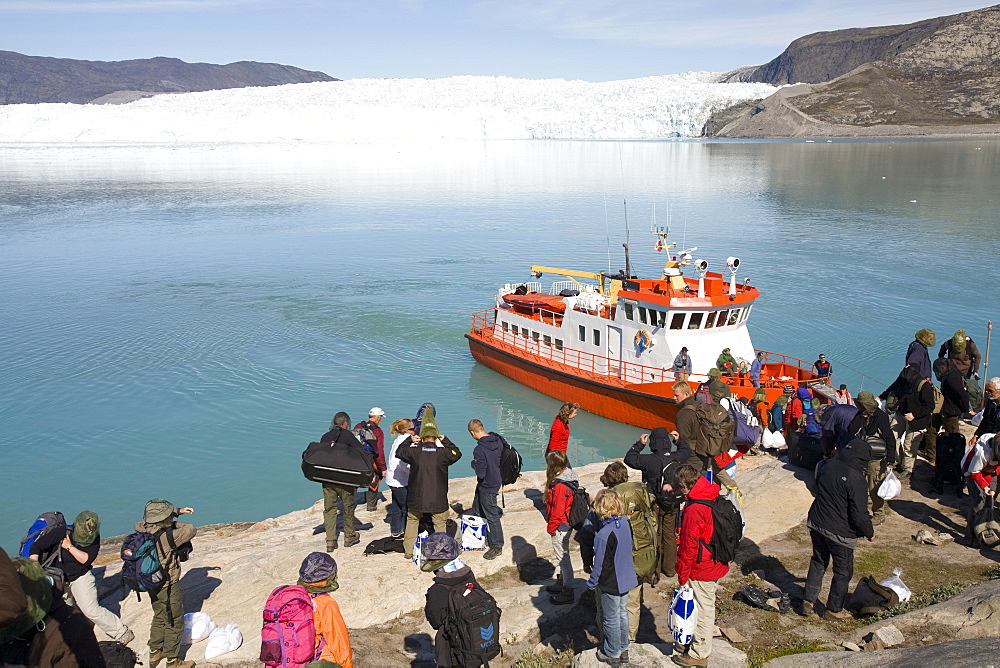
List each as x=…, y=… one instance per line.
x=734, y=265
x=702, y=267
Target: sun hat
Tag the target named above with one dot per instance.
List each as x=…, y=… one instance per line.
x=316, y=567
x=438, y=549
x=376, y=412
x=157, y=510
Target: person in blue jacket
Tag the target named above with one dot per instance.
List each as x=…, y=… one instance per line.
x=614, y=572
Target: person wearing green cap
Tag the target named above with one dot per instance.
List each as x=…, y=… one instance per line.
x=78, y=547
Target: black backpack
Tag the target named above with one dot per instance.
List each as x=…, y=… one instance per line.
x=510, y=462
x=727, y=530
x=581, y=504
x=870, y=597
x=473, y=625
x=385, y=545
x=667, y=500
x=117, y=655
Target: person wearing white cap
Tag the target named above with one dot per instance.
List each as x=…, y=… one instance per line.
x=377, y=441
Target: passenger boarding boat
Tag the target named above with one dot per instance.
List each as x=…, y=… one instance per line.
x=608, y=342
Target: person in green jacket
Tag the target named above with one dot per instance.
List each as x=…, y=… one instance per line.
x=726, y=363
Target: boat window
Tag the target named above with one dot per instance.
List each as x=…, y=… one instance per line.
x=734, y=316
x=559, y=344
x=677, y=322
x=721, y=320
x=583, y=332
x=746, y=312
x=642, y=315
x=504, y=326
x=663, y=318
x=547, y=340
x=629, y=311
x=695, y=322
x=597, y=337
x=711, y=320
x=534, y=335
x=524, y=332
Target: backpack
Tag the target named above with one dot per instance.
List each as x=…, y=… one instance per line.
x=385, y=546
x=473, y=625
x=938, y=396
x=746, y=430
x=667, y=500
x=642, y=519
x=288, y=634
x=338, y=464
x=807, y=421
x=715, y=429
x=366, y=435
x=37, y=592
x=727, y=531
x=143, y=570
x=43, y=526
x=581, y=504
x=510, y=462
x=117, y=655
x=870, y=597
x=703, y=395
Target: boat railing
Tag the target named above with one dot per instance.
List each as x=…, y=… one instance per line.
x=558, y=286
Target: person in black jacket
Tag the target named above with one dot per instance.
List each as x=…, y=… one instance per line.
x=667, y=503
x=450, y=574
x=916, y=404
x=956, y=397
x=990, y=423
x=340, y=432
x=427, y=491
x=837, y=518
x=872, y=424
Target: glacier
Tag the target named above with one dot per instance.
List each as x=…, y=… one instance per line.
x=374, y=110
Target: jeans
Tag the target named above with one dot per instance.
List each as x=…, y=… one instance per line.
x=560, y=546
x=485, y=505
x=397, y=510
x=633, y=606
x=843, y=570
x=704, y=598
x=614, y=608
x=346, y=496
x=84, y=591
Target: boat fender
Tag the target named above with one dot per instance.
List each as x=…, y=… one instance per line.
x=643, y=341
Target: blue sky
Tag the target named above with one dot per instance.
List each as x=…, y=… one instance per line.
x=594, y=40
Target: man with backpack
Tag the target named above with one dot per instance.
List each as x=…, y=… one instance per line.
x=837, y=518
x=168, y=600
x=486, y=464
x=871, y=423
x=696, y=561
x=340, y=434
x=375, y=441
x=659, y=467
x=706, y=429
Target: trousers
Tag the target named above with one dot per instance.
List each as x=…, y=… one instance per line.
x=843, y=570
x=346, y=496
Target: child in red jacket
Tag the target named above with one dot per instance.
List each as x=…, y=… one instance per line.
x=695, y=565
x=561, y=482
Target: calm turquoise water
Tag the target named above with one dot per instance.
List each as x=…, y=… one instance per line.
x=182, y=322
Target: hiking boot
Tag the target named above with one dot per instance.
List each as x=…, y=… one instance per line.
x=493, y=553
x=408, y=557
x=177, y=663
x=686, y=659
x=155, y=658
x=602, y=658
x=878, y=519
x=126, y=637
x=353, y=540
x=806, y=609
x=832, y=616
x=557, y=587
x=331, y=545
x=372, y=506
x=624, y=656
x=564, y=597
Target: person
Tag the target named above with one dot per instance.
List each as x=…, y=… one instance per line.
x=77, y=550
x=695, y=564
x=872, y=424
x=726, y=363
x=956, y=402
x=318, y=574
x=990, y=424
x=397, y=475
x=758, y=406
x=658, y=467
x=375, y=416
x=682, y=364
x=427, y=491
x=797, y=409
x=915, y=406
x=561, y=482
x=843, y=396
x=486, y=464
x=756, y=368
x=614, y=572
x=835, y=420
x=837, y=517
x=916, y=352
x=979, y=466
x=451, y=575
x=823, y=369
x=168, y=602
x=689, y=431
x=639, y=511
x=424, y=407
x=964, y=352
x=340, y=432
x=559, y=432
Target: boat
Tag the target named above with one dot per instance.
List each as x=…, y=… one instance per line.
x=608, y=342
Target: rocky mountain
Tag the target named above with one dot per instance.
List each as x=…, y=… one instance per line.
x=942, y=72
x=33, y=79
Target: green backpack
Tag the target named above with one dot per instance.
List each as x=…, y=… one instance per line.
x=38, y=591
x=642, y=518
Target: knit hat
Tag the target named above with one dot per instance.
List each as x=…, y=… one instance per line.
x=438, y=549
x=86, y=526
x=157, y=510
x=958, y=341
x=926, y=337
x=718, y=389
x=866, y=400
x=714, y=373
x=428, y=426
x=789, y=390
x=316, y=567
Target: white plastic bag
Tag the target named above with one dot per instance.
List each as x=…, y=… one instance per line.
x=890, y=487
x=977, y=419
x=421, y=537
x=896, y=584
x=197, y=626
x=223, y=639
x=779, y=439
x=683, y=615
x=767, y=438
x=473, y=533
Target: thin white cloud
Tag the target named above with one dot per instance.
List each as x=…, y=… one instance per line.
x=122, y=6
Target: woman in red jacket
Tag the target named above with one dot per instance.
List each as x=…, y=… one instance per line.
x=559, y=433
x=561, y=482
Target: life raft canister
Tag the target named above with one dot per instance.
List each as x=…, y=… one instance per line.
x=643, y=340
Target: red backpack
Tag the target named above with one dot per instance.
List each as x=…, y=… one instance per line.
x=288, y=637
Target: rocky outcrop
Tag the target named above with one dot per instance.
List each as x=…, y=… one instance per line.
x=723, y=655
x=32, y=79
x=957, y=654
x=895, y=80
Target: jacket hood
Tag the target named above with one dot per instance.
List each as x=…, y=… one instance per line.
x=942, y=366
x=569, y=475
x=704, y=490
x=911, y=374
x=856, y=454
x=491, y=442
x=453, y=577
x=659, y=440
x=804, y=393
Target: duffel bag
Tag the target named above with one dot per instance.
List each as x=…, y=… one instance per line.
x=337, y=464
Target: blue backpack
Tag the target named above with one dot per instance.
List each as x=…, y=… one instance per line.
x=808, y=419
x=144, y=570
x=45, y=524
